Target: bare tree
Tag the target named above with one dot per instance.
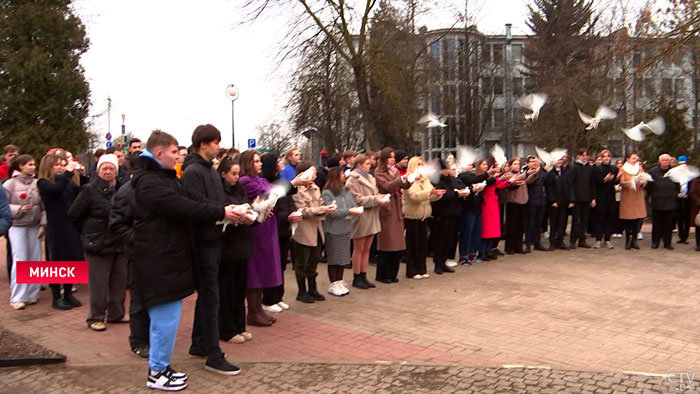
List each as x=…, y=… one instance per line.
x=275, y=138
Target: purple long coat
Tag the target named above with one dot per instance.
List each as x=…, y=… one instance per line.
x=264, y=269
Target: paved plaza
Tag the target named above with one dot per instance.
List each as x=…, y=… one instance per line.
x=566, y=321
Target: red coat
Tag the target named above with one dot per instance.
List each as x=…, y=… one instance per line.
x=491, y=214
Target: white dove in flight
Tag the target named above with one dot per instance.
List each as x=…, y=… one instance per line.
x=466, y=155
x=431, y=120
x=548, y=159
x=656, y=126
x=603, y=112
x=499, y=156
x=682, y=173
x=534, y=102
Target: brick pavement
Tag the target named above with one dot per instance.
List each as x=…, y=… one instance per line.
x=583, y=310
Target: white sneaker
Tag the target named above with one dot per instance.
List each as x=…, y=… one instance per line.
x=344, y=289
x=426, y=276
x=18, y=305
x=272, y=308
x=597, y=245
x=283, y=305
x=640, y=236
x=418, y=276
x=609, y=244
x=335, y=290
x=450, y=263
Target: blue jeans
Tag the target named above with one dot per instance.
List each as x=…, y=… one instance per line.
x=469, y=233
x=205, y=331
x=165, y=318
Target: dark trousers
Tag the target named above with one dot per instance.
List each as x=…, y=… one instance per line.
x=631, y=227
x=515, y=227
x=603, y=224
x=662, y=226
x=442, y=237
x=232, y=288
x=9, y=257
x=557, y=224
x=273, y=295
x=307, y=258
x=683, y=216
x=579, y=222
x=416, y=246
x=388, y=264
x=469, y=234
x=108, y=276
x=534, y=218
x=205, y=331
x=139, y=322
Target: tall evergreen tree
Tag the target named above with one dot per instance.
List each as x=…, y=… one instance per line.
x=563, y=62
x=44, y=97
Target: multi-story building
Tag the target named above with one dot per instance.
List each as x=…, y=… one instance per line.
x=478, y=78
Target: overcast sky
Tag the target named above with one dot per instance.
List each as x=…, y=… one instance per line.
x=166, y=64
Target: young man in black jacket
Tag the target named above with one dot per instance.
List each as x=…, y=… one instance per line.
x=200, y=177
x=581, y=186
x=163, y=264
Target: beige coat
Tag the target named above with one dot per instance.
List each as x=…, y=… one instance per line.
x=417, y=199
x=391, y=238
x=309, y=200
x=364, y=191
x=632, y=203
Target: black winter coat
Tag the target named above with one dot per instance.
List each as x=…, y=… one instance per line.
x=236, y=244
x=663, y=192
x=62, y=240
x=199, y=177
x=581, y=180
x=473, y=202
x=89, y=214
x=537, y=190
x=163, y=237
x=604, y=191
x=121, y=217
x=450, y=205
x=557, y=188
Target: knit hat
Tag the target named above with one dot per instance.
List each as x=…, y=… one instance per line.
x=332, y=162
x=108, y=158
x=399, y=155
x=682, y=159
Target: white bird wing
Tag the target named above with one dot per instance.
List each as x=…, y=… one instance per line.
x=427, y=118
x=499, y=155
x=538, y=101
x=534, y=102
x=544, y=156
x=645, y=176
x=585, y=118
x=558, y=154
x=634, y=133
x=656, y=125
x=604, y=112
x=435, y=123
x=683, y=173
x=466, y=155
x=432, y=171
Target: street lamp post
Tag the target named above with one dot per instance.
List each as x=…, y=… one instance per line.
x=232, y=94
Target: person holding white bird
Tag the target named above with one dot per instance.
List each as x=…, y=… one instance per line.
x=582, y=187
x=632, y=204
x=662, y=193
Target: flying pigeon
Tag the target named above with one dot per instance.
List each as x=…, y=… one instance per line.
x=499, y=156
x=683, y=173
x=534, y=102
x=466, y=155
x=548, y=159
x=656, y=126
x=431, y=120
x=603, y=112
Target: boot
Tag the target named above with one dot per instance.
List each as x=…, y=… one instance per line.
x=303, y=295
x=58, y=301
x=367, y=282
x=254, y=308
x=313, y=291
x=628, y=240
x=358, y=282
x=68, y=296
x=438, y=269
x=634, y=241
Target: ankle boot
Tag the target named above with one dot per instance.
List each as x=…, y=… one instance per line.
x=58, y=301
x=628, y=241
x=358, y=282
x=634, y=241
x=68, y=296
x=313, y=291
x=255, y=318
x=367, y=282
x=303, y=295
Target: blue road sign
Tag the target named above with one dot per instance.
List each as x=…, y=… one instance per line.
x=251, y=142
x=109, y=144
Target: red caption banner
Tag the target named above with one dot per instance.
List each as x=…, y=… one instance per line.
x=52, y=272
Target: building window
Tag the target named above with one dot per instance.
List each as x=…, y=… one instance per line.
x=667, y=86
x=649, y=90
x=498, y=117
x=486, y=53
x=517, y=87
x=498, y=54
x=486, y=87
x=498, y=85
x=435, y=101
x=435, y=50
x=517, y=51
x=679, y=88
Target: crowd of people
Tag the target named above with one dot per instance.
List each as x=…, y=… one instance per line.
x=164, y=221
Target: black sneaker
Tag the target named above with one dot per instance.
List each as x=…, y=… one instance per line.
x=197, y=351
x=165, y=381
x=221, y=366
x=140, y=351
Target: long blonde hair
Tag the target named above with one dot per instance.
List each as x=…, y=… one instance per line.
x=413, y=164
x=47, y=162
